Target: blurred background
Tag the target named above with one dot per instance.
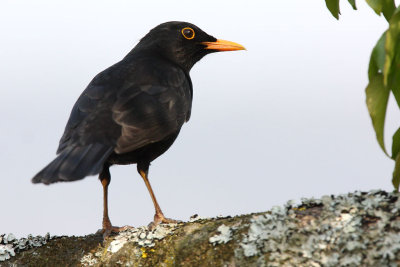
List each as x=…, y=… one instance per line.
x=284, y=120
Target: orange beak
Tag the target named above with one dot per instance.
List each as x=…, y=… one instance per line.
x=222, y=45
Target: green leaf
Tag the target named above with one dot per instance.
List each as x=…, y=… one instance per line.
x=353, y=4
x=376, y=91
x=396, y=144
x=377, y=99
x=390, y=44
x=391, y=69
x=333, y=6
x=388, y=7
x=396, y=174
x=396, y=93
x=377, y=61
x=376, y=5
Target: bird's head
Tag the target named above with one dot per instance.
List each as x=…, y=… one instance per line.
x=182, y=43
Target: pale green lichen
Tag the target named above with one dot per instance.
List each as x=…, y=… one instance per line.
x=357, y=229
x=224, y=237
x=348, y=230
x=10, y=245
x=141, y=236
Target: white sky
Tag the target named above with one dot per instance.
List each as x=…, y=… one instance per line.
x=284, y=120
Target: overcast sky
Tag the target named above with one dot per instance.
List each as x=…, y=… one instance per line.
x=284, y=120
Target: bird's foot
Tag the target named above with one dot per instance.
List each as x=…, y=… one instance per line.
x=108, y=230
x=160, y=218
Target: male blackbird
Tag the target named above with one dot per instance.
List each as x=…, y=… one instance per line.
x=133, y=111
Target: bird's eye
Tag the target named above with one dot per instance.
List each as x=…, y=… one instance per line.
x=188, y=33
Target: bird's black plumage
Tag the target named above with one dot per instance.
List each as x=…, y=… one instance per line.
x=133, y=111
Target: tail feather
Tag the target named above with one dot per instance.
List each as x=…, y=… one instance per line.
x=74, y=163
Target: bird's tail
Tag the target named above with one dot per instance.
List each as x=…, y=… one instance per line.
x=74, y=163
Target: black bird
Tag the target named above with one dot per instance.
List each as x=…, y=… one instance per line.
x=133, y=111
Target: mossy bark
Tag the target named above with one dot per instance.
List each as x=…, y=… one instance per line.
x=358, y=229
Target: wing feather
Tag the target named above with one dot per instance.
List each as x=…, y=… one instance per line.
x=132, y=112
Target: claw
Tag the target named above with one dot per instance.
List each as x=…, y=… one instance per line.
x=160, y=218
x=113, y=230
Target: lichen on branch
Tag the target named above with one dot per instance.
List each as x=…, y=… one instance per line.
x=357, y=229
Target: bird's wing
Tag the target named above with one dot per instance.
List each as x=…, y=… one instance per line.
x=91, y=119
x=126, y=115
x=150, y=113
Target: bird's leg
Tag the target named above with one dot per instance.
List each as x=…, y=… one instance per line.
x=105, y=179
x=159, y=216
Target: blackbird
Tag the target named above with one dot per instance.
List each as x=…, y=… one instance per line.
x=133, y=111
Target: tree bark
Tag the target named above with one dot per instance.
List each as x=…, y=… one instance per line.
x=357, y=229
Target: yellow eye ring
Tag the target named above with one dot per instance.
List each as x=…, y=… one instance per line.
x=188, y=33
